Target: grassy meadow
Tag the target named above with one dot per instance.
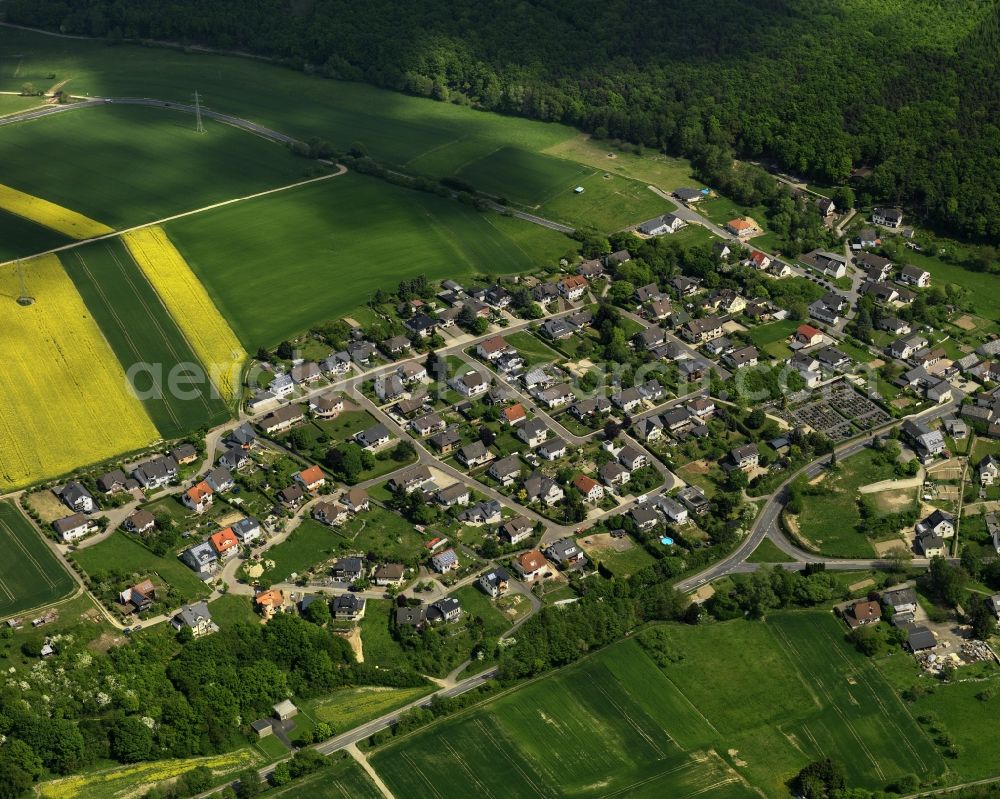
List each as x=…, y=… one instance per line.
x=123, y=553
x=129, y=165
x=62, y=382
x=30, y=575
x=279, y=264
x=619, y=724
x=345, y=779
x=139, y=330
x=347, y=708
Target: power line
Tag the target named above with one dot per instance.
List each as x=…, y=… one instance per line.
x=24, y=298
x=198, y=126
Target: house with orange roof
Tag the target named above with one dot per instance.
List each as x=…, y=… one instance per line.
x=741, y=227
x=592, y=490
x=758, y=260
x=573, y=287
x=225, y=542
x=269, y=603
x=807, y=335
x=312, y=478
x=199, y=497
x=531, y=565
x=515, y=414
x=493, y=348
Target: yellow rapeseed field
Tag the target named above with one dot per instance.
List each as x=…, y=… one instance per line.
x=129, y=781
x=211, y=338
x=65, y=402
x=74, y=225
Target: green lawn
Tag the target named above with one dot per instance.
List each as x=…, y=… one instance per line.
x=607, y=203
x=122, y=553
x=347, y=708
x=141, y=331
x=384, y=532
x=323, y=434
x=232, y=609
x=770, y=338
x=128, y=164
x=20, y=237
x=380, y=648
x=309, y=543
x=30, y=574
x=767, y=552
x=983, y=297
x=12, y=104
x=621, y=564
x=521, y=176
x=829, y=520
x=532, y=349
x=476, y=605
x=278, y=265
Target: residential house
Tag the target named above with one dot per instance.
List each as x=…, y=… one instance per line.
x=533, y=432
x=247, y=530
x=876, y=267
x=867, y=237
x=505, y=470
x=225, y=543
x=407, y=616
x=474, y=454
x=989, y=470
x=184, y=454
x=829, y=264
x=291, y=497
x=388, y=574
x=336, y=364
x=591, y=269
x=201, y=558
x=471, y=384
x=931, y=545
x=900, y=600
x=281, y=419
x=689, y=196
x=880, y=291
x=155, y=473
x=74, y=527
x=906, y=347
x=826, y=206
x=411, y=406
x=540, y=488
x=347, y=607
x=112, y=482
x=305, y=373
x=487, y=512
x=514, y=414
x=234, y=458
x=555, y=396
x=220, y=480
x=555, y=329
x=268, y=604
x=808, y=336
x=389, y=388
x=427, y=424
x=497, y=297
x=373, y=437
x=632, y=459
x=199, y=497
x=76, y=497
x=648, y=293
x=420, y=325
x=644, y=517
x=197, y=618
x=893, y=325
x=447, y=610
x=758, y=260
x=552, y=450
x=493, y=348
x=702, y=407
x=455, y=494
x=410, y=480
x=617, y=257
x=694, y=499
x=445, y=561
x=701, y=330
x=650, y=428
x=745, y=457
x=591, y=490
x=281, y=385
x=348, y=570
x=628, y=399
x=745, y=356
x=614, y=474
x=531, y=566
x=888, y=217
x=411, y=372
x=566, y=553
x=544, y=293
x=662, y=225
x=741, y=227
x=494, y=582
x=585, y=409
x=920, y=638
x=675, y=512
x=862, y=613
x=139, y=522
x=939, y=522
x=516, y=530
x=395, y=346
x=914, y=276
x=573, y=287
x=650, y=338
x=447, y=440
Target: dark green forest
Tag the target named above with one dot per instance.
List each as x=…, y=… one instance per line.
x=906, y=88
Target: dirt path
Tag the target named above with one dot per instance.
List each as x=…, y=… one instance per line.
x=894, y=485
x=356, y=753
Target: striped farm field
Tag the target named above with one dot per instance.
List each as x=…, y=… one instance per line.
x=61, y=382
x=146, y=339
x=209, y=334
x=50, y=215
x=20, y=237
x=776, y=696
x=30, y=575
x=596, y=729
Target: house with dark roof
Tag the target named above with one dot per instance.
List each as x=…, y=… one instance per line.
x=494, y=583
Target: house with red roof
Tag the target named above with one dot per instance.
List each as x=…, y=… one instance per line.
x=807, y=335
x=312, y=478
x=199, y=497
x=592, y=490
x=225, y=542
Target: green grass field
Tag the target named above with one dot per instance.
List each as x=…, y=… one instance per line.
x=140, y=330
x=830, y=520
x=475, y=604
x=309, y=543
x=617, y=724
x=770, y=338
x=532, y=349
x=379, y=646
x=595, y=729
x=232, y=609
x=381, y=531
x=30, y=575
x=279, y=264
x=123, y=554
x=344, y=779
x=12, y=103
x=767, y=552
x=128, y=165
x=623, y=563
x=348, y=708
x=607, y=203
x=21, y=237
x=521, y=176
